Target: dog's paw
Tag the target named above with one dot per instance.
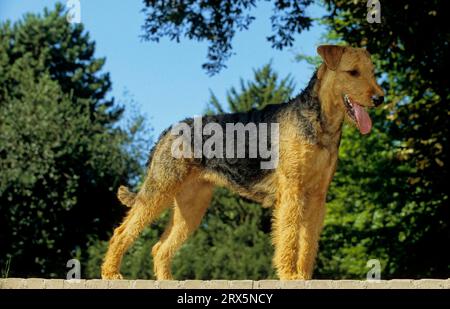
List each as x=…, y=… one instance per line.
x=285, y=277
x=112, y=276
x=302, y=276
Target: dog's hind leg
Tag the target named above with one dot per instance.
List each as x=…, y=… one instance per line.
x=146, y=208
x=163, y=181
x=190, y=205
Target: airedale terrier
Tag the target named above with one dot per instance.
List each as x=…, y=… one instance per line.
x=310, y=128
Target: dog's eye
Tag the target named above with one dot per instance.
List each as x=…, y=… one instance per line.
x=353, y=73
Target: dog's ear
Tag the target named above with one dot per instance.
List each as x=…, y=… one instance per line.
x=331, y=55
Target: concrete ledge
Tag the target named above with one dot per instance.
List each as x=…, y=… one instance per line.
x=38, y=283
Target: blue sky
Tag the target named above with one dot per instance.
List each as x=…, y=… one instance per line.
x=166, y=78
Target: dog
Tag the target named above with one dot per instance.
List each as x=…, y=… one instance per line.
x=309, y=133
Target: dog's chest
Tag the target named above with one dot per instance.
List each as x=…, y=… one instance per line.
x=319, y=171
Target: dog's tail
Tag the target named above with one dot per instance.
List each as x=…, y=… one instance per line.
x=125, y=196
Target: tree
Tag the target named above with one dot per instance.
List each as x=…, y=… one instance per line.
x=218, y=21
x=233, y=240
x=62, y=152
x=266, y=88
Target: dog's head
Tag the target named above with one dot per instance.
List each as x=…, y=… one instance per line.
x=349, y=74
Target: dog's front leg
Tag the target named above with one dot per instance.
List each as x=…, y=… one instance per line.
x=286, y=223
x=310, y=228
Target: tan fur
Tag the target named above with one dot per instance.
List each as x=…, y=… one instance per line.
x=297, y=188
x=125, y=196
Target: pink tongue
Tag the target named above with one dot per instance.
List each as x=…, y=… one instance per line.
x=363, y=119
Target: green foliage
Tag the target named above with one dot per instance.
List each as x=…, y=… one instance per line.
x=217, y=22
x=62, y=152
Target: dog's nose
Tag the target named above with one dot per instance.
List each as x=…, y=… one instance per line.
x=377, y=100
